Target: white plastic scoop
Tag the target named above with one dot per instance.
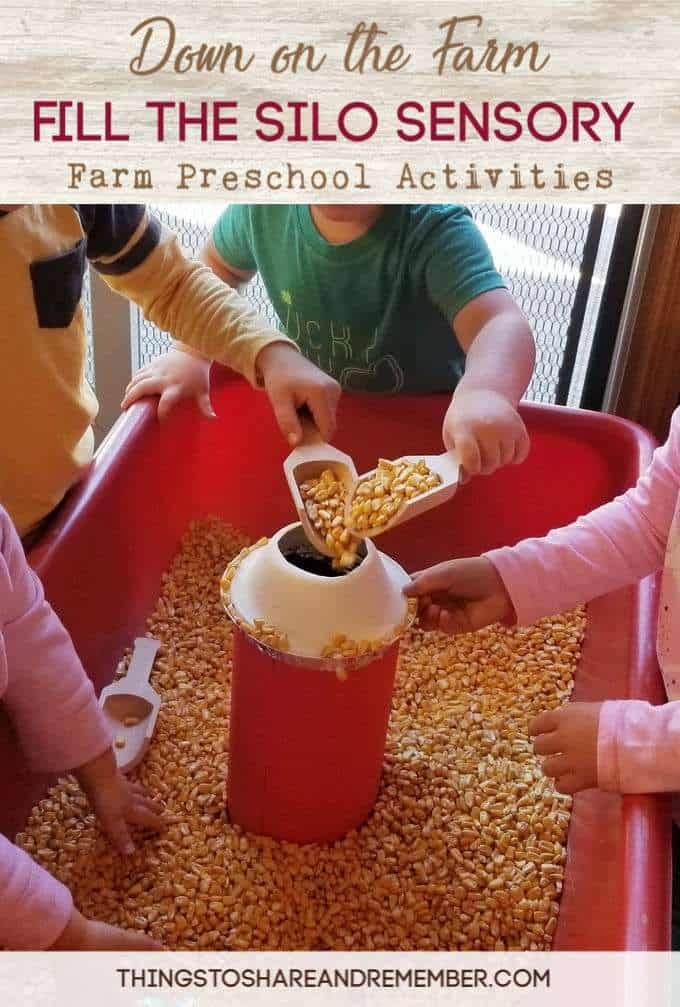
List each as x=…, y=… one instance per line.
x=308, y=460
x=444, y=465
x=131, y=706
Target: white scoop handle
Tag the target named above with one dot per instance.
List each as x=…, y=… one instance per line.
x=141, y=663
x=313, y=448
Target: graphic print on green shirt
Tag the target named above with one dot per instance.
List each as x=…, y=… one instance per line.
x=376, y=312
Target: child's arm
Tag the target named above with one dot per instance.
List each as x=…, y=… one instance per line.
x=52, y=702
x=140, y=258
x=482, y=423
x=626, y=746
x=183, y=372
x=54, y=709
x=143, y=260
x=638, y=749
x=227, y=273
x=37, y=913
x=290, y=381
x=50, y=699
x=617, y=544
x=35, y=908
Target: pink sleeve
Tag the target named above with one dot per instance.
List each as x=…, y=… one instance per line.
x=48, y=695
x=617, y=544
x=34, y=906
x=638, y=747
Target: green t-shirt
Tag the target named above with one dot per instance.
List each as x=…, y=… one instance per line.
x=375, y=313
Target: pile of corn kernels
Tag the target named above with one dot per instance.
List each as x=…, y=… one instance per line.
x=379, y=498
x=465, y=848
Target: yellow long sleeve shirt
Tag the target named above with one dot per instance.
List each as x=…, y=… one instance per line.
x=46, y=404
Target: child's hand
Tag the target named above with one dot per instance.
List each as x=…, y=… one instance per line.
x=90, y=935
x=117, y=802
x=174, y=376
x=461, y=596
x=292, y=381
x=485, y=430
x=568, y=737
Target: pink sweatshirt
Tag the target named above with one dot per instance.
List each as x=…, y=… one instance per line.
x=615, y=545
x=54, y=709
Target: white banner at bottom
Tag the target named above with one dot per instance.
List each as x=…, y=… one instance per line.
x=340, y=980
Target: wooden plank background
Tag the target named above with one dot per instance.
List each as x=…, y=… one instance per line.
x=612, y=50
x=650, y=390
